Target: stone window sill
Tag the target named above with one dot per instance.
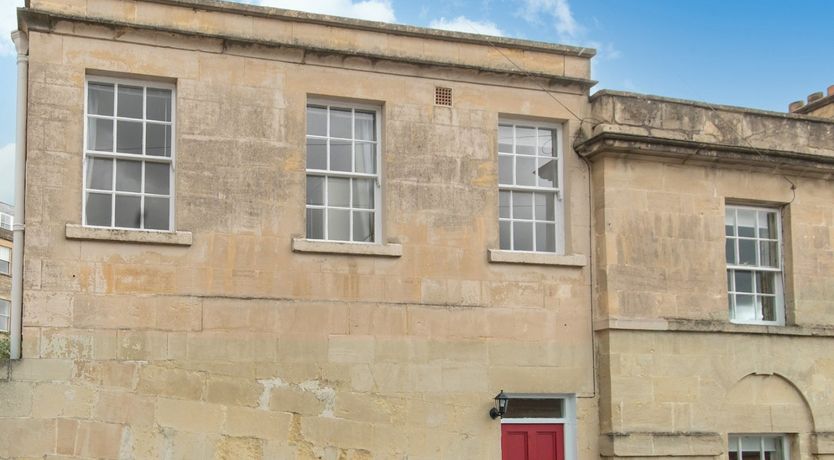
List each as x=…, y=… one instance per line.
x=535, y=258
x=80, y=232
x=356, y=249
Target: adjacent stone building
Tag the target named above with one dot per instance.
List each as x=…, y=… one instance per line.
x=6, y=220
x=713, y=255
x=257, y=233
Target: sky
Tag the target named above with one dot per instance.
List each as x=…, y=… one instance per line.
x=761, y=54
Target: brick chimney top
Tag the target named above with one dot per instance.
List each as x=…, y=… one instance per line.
x=818, y=104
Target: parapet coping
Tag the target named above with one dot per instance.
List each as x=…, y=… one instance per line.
x=43, y=21
x=375, y=26
x=81, y=232
x=708, y=105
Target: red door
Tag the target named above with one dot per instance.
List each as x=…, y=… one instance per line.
x=533, y=442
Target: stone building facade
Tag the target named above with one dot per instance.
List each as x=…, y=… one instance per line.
x=255, y=233
x=693, y=348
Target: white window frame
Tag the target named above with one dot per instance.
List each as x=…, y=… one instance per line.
x=5, y=217
x=377, y=178
x=568, y=419
x=145, y=84
x=781, y=438
x=8, y=316
x=779, y=284
x=558, y=191
x=8, y=261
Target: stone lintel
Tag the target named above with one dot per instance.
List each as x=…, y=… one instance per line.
x=80, y=232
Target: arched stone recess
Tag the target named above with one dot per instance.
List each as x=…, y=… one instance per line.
x=768, y=403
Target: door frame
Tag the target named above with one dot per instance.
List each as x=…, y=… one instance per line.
x=569, y=421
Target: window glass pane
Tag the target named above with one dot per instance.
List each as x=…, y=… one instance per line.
x=525, y=171
x=767, y=225
x=546, y=143
x=100, y=99
x=523, y=236
x=746, y=252
x=316, y=153
x=505, y=139
x=128, y=211
x=157, y=178
x=340, y=156
x=365, y=126
x=100, y=134
x=730, y=250
x=129, y=137
x=545, y=237
x=768, y=307
x=744, y=281
x=159, y=104
x=745, y=310
x=128, y=176
x=365, y=158
x=315, y=224
x=316, y=120
x=522, y=205
x=525, y=139
x=504, y=204
x=4, y=267
x=535, y=408
x=545, y=206
x=769, y=252
x=158, y=140
x=340, y=123
x=130, y=102
x=730, y=280
x=505, y=169
x=363, y=226
x=363, y=194
x=338, y=224
x=547, y=173
x=746, y=223
x=504, y=231
x=157, y=213
x=766, y=282
x=5, y=253
x=729, y=221
x=98, y=209
x=338, y=191
x=315, y=190
x=100, y=173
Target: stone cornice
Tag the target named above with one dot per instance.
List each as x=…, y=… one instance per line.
x=374, y=26
x=46, y=21
x=618, y=141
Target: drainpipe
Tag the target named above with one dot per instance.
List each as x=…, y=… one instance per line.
x=21, y=42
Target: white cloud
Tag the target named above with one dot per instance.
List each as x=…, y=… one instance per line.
x=7, y=173
x=372, y=10
x=558, y=11
x=8, y=23
x=464, y=24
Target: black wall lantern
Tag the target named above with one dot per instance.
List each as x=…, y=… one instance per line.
x=501, y=401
